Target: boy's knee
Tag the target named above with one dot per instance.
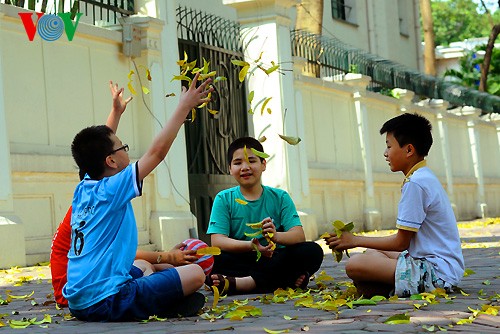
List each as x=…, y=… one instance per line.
x=354, y=267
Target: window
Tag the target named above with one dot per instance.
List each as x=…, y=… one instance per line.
x=344, y=10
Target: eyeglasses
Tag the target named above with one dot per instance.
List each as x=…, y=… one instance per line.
x=124, y=147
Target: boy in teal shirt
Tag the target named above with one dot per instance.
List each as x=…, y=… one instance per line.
x=287, y=259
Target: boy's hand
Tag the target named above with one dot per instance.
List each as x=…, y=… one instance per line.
x=346, y=241
x=268, y=228
x=266, y=251
x=179, y=257
x=194, y=96
x=119, y=104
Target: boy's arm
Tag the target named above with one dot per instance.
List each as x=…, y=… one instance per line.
x=231, y=245
x=175, y=256
x=396, y=242
x=118, y=106
x=291, y=237
x=161, y=144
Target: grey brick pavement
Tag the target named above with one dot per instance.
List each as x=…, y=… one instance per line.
x=481, y=248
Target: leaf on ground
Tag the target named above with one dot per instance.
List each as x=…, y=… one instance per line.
x=276, y=331
x=468, y=272
x=398, y=319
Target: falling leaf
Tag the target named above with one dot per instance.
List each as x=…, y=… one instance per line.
x=145, y=90
x=250, y=96
x=290, y=140
x=241, y=63
x=193, y=115
x=131, y=89
x=183, y=61
x=207, y=75
x=262, y=139
x=213, y=112
x=170, y=94
x=208, y=251
x=243, y=73
x=259, y=153
x=271, y=69
x=250, y=111
x=245, y=154
x=266, y=101
x=217, y=79
x=182, y=77
x=240, y=201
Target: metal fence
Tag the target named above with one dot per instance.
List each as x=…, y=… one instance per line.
x=330, y=57
x=98, y=12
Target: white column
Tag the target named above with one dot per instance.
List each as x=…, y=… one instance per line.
x=12, y=243
x=441, y=115
x=266, y=34
x=373, y=217
x=472, y=119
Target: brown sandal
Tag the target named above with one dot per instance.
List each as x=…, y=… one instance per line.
x=229, y=287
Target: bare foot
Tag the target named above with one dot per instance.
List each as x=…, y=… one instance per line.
x=300, y=280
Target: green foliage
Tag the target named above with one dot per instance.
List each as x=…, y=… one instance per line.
x=469, y=74
x=457, y=20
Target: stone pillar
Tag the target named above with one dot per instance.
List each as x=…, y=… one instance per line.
x=12, y=243
x=472, y=115
x=359, y=82
x=267, y=32
x=441, y=115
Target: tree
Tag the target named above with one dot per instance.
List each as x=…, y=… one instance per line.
x=457, y=20
x=485, y=66
x=428, y=27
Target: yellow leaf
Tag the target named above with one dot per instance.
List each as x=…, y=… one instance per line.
x=253, y=235
x=193, y=115
x=190, y=65
x=259, y=153
x=183, y=61
x=245, y=154
x=207, y=75
x=240, y=63
x=250, y=111
x=255, y=225
x=243, y=73
x=262, y=139
x=21, y=297
x=130, y=74
x=213, y=112
x=145, y=90
x=269, y=111
x=266, y=101
x=240, y=201
x=291, y=140
x=324, y=235
x=208, y=251
x=270, y=331
x=272, y=69
x=250, y=96
x=287, y=317
x=131, y=89
x=182, y=77
x=216, y=296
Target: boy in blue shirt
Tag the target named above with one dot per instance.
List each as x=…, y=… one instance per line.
x=102, y=283
x=287, y=259
x=425, y=253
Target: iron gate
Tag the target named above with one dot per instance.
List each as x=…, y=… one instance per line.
x=204, y=36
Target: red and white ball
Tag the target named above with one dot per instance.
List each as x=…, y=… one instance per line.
x=206, y=262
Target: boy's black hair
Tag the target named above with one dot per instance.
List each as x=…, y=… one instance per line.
x=410, y=129
x=90, y=148
x=249, y=142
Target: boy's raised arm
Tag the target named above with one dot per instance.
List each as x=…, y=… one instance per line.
x=118, y=106
x=189, y=99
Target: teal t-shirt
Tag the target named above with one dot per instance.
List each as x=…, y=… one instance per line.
x=229, y=217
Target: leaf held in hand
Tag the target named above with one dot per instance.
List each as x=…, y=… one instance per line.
x=255, y=225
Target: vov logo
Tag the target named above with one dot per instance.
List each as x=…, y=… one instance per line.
x=50, y=27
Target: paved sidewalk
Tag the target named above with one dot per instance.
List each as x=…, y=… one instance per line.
x=481, y=248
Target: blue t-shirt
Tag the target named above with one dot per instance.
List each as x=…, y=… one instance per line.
x=229, y=217
x=103, y=237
